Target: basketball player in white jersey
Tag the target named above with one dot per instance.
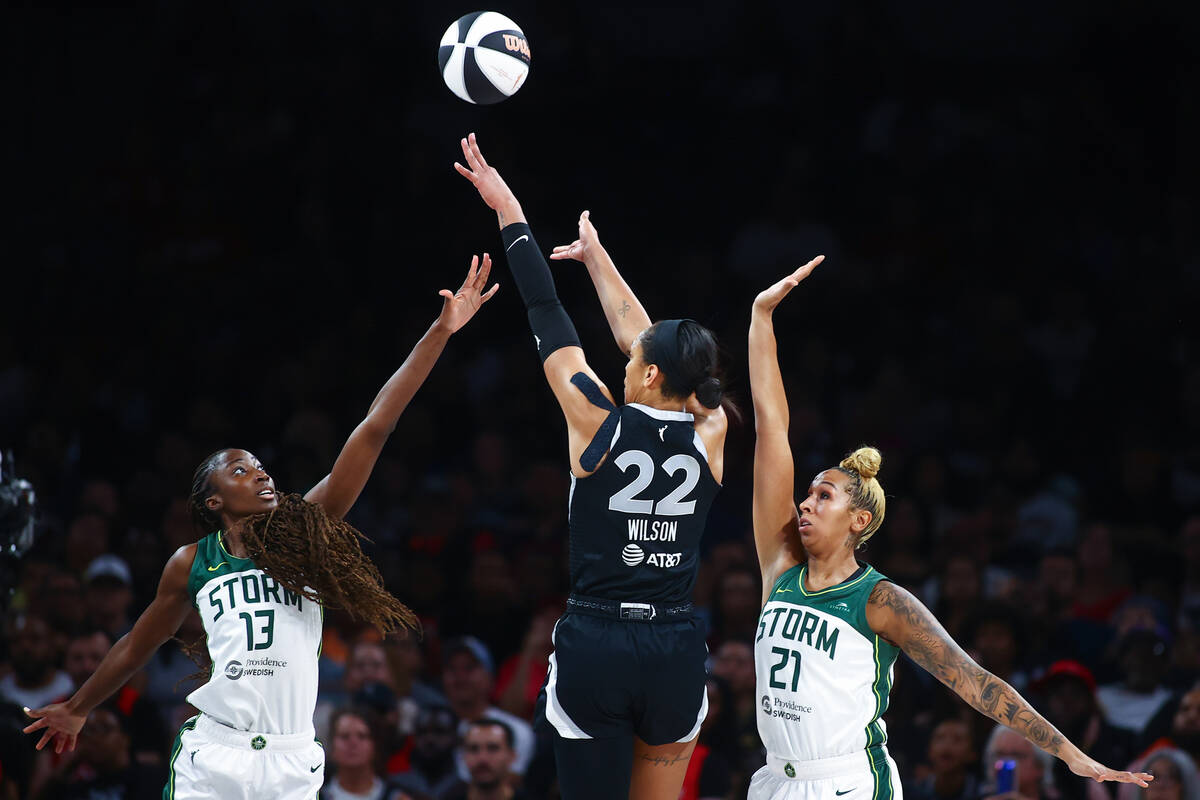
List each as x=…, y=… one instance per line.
x=831, y=628
x=260, y=579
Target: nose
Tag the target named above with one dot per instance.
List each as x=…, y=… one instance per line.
x=806, y=505
x=262, y=476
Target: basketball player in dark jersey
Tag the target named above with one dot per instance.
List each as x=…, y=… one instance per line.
x=625, y=692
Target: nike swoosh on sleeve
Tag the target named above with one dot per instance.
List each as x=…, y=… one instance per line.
x=514, y=241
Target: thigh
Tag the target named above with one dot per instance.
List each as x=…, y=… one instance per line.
x=592, y=683
x=594, y=769
x=296, y=776
x=658, y=770
x=201, y=769
x=673, y=700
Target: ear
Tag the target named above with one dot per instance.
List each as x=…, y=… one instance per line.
x=214, y=503
x=859, y=520
x=652, y=377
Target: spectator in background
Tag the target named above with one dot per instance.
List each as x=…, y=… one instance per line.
x=487, y=607
x=1182, y=731
x=102, y=766
x=431, y=770
x=62, y=603
x=522, y=675
x=952, y=755
x=108, y=585
x=734, y=662
x=34, y=680
x=955, y=593
x=1142, y=659
x=366, y=663
x=709, y=775
x=175, y=669
x=467, y=678
x=489, y=757
x=1175, y=777
x=736, y=604
x=995, y=637
x=1033, y=765
x=1068, y=693
x=148, y=736
x=354, y=756
x=1102, y=586
x=389, y=742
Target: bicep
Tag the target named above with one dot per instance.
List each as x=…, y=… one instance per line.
x=896, y=615
x=170, y=605
x=584, y=417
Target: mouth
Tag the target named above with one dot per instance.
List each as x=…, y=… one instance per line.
x=268, y=494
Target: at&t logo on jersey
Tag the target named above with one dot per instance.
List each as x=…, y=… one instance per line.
x=633, y=555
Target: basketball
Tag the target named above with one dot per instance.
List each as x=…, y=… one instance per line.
x=484, y=57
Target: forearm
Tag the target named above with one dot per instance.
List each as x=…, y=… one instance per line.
x=510, y=213
x=995, y=698
x=552, y=327
x=766, y=381
x=122, y=663
x=625, y=314
x=400, y=389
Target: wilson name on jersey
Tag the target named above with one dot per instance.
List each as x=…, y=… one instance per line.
x=263, y=640
x=636, y=522
x=823, y=675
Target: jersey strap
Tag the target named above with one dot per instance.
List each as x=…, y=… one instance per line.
x=590, y=459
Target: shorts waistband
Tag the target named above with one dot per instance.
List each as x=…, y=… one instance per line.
x=253, y=740
x=628, y=612
x=817, y=769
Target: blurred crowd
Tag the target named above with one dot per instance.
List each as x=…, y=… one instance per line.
x=234, y=225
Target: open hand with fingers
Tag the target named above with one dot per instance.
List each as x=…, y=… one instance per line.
x=487, y=181
x=580, y=249
x=770, y=297
x=58, y=724
x=458, y=307
x=1088, y=767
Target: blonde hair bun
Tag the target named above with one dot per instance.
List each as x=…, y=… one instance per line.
x=865, y=461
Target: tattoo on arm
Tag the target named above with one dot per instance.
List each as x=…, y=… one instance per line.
x=918, y=633
x=500, y=214
x=624, y=309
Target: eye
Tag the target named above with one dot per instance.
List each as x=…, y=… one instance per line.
x=239, y=470
x=824, y=495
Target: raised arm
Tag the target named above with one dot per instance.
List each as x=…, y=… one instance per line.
x=61, y=722
x=553, y=332
x=776, y=535
x=338, y=490
x=894, y=614
x=625, y=314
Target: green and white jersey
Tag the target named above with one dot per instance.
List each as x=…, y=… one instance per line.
x=823, y=675
x=263, y=639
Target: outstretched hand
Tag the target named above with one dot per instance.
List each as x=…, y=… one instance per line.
x=1087, y=767
x=769, y=298
x=58, y=724
x=458, y=307
x=485, y=178
x=587, y=243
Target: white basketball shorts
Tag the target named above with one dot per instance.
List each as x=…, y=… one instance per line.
x=852, y=777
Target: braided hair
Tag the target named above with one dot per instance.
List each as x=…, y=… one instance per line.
x=309, y=552
x=864, y=488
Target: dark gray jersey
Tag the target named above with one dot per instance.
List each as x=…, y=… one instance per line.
x=636, y=522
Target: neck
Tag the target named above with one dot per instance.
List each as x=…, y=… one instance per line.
x=656, y=400
x=494, y=791
x=949, y=782
x=471, y=711
x=231, y=538
x=826, y=571
x=356, y=779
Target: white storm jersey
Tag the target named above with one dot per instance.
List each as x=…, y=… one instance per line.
x=823, y=675
x=264, y=641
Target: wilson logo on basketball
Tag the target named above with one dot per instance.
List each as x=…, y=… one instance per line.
x=516, y=44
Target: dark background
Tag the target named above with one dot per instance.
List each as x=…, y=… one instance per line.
x=230, y=222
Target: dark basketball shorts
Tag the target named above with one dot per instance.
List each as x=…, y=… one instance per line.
x=610, y=677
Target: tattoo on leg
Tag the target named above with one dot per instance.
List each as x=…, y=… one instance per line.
x=663, y=761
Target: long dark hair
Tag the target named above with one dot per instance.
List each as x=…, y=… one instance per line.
x=309, y=552
x=686, y=353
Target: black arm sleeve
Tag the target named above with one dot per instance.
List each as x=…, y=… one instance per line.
x=552, y=328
